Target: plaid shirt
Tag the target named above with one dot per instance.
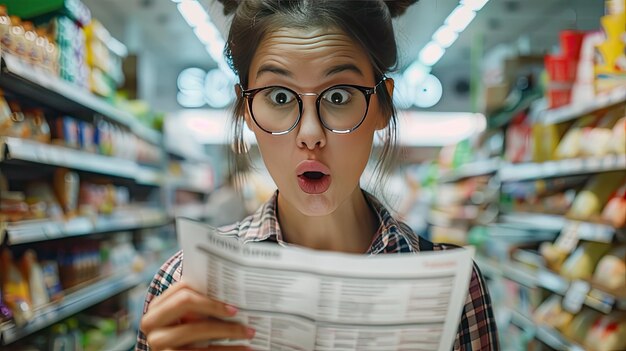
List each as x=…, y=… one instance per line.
x=477, y=330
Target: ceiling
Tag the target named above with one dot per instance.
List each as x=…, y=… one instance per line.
x=156, y=32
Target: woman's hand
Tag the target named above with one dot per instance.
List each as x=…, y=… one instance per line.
x=182, y=317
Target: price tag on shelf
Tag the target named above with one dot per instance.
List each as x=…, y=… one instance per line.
x=593, y=164
x=609, y=162
x=569, y=237
x=575, y=296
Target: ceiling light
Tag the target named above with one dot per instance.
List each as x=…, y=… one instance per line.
x=474, y=5
x=419, y=128
x=207, y=33
x=193, y=12
x=445, y=36
x=429, y=92
x=431, y=53
x=460, y=18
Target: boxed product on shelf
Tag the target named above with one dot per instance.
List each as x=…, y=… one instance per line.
x=104, y=59
x=610, y=66
x=75, y=9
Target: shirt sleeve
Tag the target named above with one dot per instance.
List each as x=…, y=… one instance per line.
x=477, y=330
x=169, y=273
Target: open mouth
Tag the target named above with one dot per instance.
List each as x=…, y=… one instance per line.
x=313, y=175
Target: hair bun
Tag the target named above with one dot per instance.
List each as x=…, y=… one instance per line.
x=398, y=7
x=230, y=6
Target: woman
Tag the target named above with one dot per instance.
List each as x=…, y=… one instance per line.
x=313, y=90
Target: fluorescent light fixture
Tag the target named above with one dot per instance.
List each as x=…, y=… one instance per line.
x=474, y=5
x=445, y=36
x=207, y=33
x=438, y=128
x=431, y=53
x=193, y=12
x=460, y=18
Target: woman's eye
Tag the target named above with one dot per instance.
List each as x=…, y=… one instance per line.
x=337, y=96
x=281, y=96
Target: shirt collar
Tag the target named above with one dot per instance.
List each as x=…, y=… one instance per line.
x=392, y=235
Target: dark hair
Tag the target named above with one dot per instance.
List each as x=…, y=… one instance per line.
x=368, y=22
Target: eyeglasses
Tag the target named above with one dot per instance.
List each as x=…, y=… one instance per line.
x=341, y=108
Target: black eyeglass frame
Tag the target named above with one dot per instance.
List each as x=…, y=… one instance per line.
x=367, y=91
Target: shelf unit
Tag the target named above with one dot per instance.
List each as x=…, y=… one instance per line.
x=41, y=230
x=590, y=231
x=78, y=300
x=598, y=298
x=574, y=110
x=543, y=333
x=72, y=304
x=552, y=169
x=28, y=82
x=22, y=150
x=469, y=170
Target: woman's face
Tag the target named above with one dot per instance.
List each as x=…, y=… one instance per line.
x=315, y=169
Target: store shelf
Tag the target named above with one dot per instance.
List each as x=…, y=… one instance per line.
x=532, y=221
x=598, y=298
x=149, y=176
x=25, y=79
x=181, y=184
x=34, y=231
x=72, y=304
x=16, y=149
x=585, y=230
x=551, y=169
x=573, y=111
x=543, y=333
x=470, y=170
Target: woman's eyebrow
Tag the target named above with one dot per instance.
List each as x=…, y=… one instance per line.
x=342, y=68
x=269, y=68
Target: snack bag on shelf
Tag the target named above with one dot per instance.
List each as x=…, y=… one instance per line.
x=608, y=333
x=519, y=139
x=619, y=137
x=13, y=206
x=551, y=313
x=590, y=201
x=571, y=144
x=15, y=289
x=553, y=255
x=5, y=312
x=615, y=210
x=41, y=192
x=32, y=272
x=581, y=324
x=599, y=140
x=546, y=140
x=38, y=125
x=582, y=262
x=66, y=187
x=611, y=270
x=12, y=120
x=16, y=42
